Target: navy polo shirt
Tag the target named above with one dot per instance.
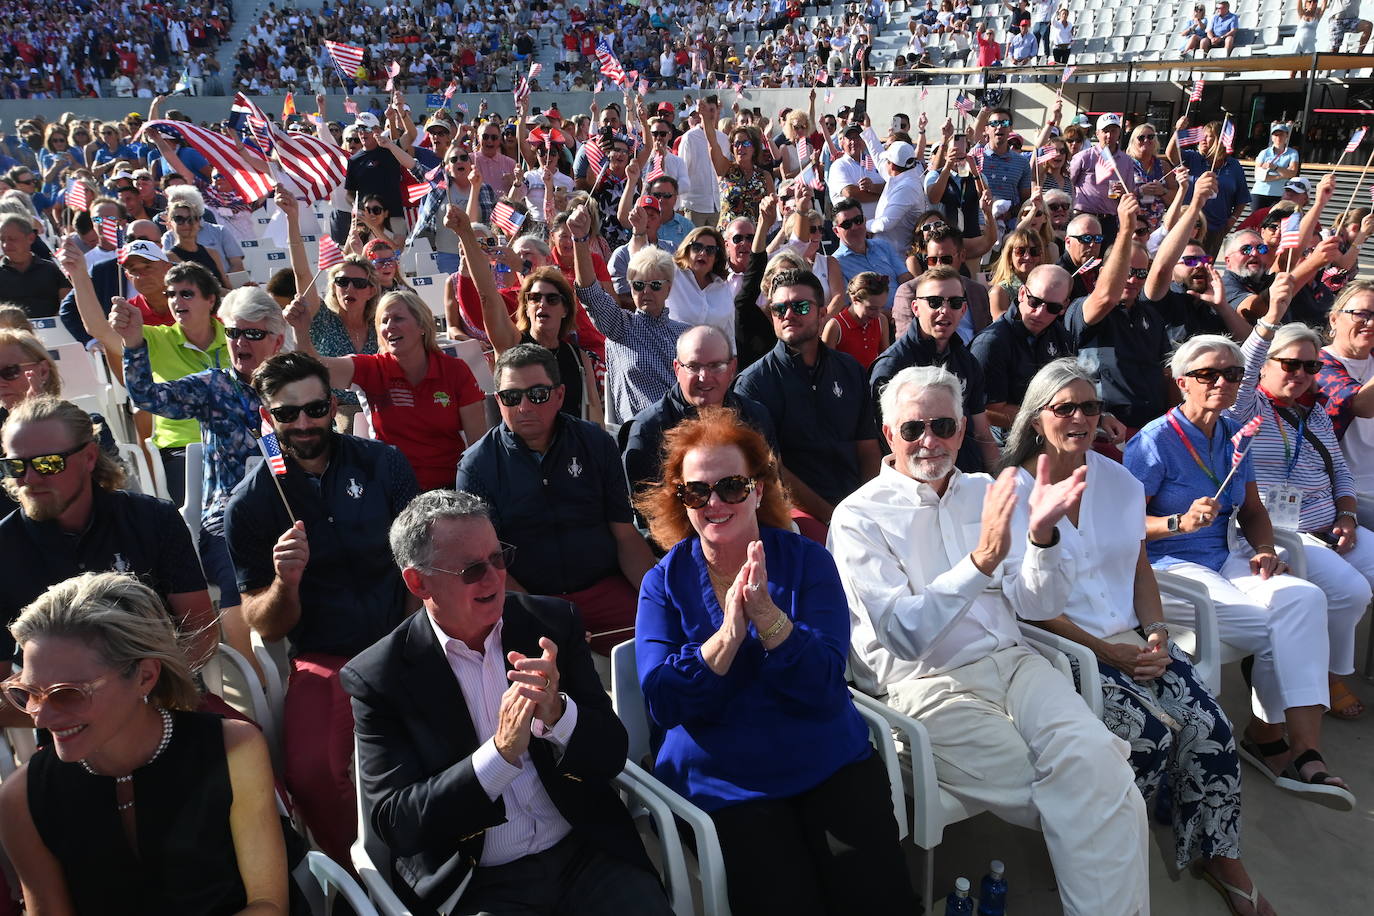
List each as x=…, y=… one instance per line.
x=1010, y=355
x=1185, y=315
x=819, y=413
x=555, y=508
x=128, y=532
x=351, y=593
x=1126, y=351
x=916, y=348
x=643, y=438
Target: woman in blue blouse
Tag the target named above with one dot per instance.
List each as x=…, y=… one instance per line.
x=1278, y=163
x=741, y=641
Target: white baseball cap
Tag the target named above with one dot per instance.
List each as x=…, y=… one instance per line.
x=1110, y=119
x=1298, y=186
x=141, y=248
x=901, y=154
x=367, y=119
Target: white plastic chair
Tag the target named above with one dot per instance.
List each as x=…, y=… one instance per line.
x=254, y=697
x=51, y=332
x=195, y=484
x=367, y=850
x=323, y=881
x=1058, y=650
x=274, y=689
x=430, y=288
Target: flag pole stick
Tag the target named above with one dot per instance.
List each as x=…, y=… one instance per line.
x=1216, y=153
x=1234, y=467
x=280, y=492
x=1359, y=184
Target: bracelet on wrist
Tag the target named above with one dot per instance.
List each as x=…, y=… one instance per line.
x=1265, y=548
x=1156, y=627
x=1267, y=325
x=583, y=239
x=775, y=629
x=1054, y=539
x=1348, y=513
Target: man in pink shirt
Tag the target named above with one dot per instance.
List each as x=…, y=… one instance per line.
x=494, y=166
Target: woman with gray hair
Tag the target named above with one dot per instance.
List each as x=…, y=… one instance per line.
x=1185, y=461
x=1152, y=696
x=1305, y=483
x=139, y=804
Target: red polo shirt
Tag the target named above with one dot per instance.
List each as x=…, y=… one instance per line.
x=423, y=420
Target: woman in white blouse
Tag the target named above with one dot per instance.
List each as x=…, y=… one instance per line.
x=700, y=294
x=1152, y=696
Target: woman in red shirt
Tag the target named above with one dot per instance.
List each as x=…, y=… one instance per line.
x=861, y=329
x=420, y=400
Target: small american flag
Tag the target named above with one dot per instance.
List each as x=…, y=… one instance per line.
x=393, y=70
x=79, y=196
x=643, y=86
x=347, y=58
x=535, y=69
x=452, y=88
x=809, y=175
x=522, y=89
x=271, y=450
x=867, y=163
x=1090, y=264
x=1292, y=233
x=1196, y=94
x=330, y=254
x=803, y=151
x=964, y=104
x=1045, y=154
x=1190, y=136
x=829, y=97
x=111, y=233
x=1355, y=140
x=350, y=106
x=1068, y=72
x=1228, y=135
x=596, y=157
x=925, y=94
x=1246, y=432
x=976, y=155
x=413, y=189
x=655, y=171
x=505, y=218
x=610, y=65
x=600, y=86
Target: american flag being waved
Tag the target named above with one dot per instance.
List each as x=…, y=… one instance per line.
x=1291, y=235
x=222, y=153
x=348, y=58
x=505, y=218
x=1190, y=136
x=1238, y=440
x=1355, y=140
x=610, y=66
x=1196, y=94
x=271, y=450
x=1228, y=135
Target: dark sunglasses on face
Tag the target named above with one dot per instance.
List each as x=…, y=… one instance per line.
x=1000, y=122
x=1035, y=302
x=1292, y=366
x=1088, y=239
x=375, y=211
x=1022, y=251
x=850, y=223
x=246, y=333
x=743, y=144
x=940, y=427
x=45, y=465
x=699, y=248
x=638, y=285
x=940, y=259
x=538, y=394
x=287, y=413
x=183, y=220
x=800, y=306
x=1248, y=250
x=953, y=303
x=1069, y=408
x=343, y=282
x=1059, y=208
x=476, y=572
x=180, y=293
x=1139, y=273
x=932, y=226
x=464, y=157
x=1196, y=260
x=1208, y=374
x=660, y=133
x=734, y=489
x=535, y=298
x=662, y=195
x=12, y=372
x=742, y=237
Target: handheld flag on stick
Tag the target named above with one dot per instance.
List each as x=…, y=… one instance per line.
x=347, y=59
x=1190, y=136
x=964, y=104
x=1090, y=264
x=1240, y=448
x=1291, y=234
x=596, y=156
x=111, y=233
x=1228, y=135
x=271, y=452
x=1045, y=154
x=1355, y=140
x=350, y=106
x=1196, y=94
x=655, y=171
x=78, y=196
x=330, y=254
x=288, y=107
x=610, y=65
x=507, y=219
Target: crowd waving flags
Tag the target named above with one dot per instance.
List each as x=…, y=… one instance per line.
x=347, y=58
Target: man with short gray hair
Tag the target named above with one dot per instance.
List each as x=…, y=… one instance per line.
x=936, y=576
x=491, y=785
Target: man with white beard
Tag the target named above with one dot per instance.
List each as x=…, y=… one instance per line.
x=935, y=580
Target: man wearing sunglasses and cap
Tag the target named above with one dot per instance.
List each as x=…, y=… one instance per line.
x=558, y=494
x=313, y=566
x=937, y=566
x=486, y=743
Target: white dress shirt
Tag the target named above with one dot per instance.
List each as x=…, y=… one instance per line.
x=692, y=305
x=1099, y=555
x=533, y=823
x=902, y=202
x=702, y=195
x=917, y=604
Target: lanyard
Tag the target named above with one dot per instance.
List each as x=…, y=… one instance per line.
x=1192, y=450
x=1290, y=453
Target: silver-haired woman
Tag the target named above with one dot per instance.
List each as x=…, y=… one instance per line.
x=1152, y=696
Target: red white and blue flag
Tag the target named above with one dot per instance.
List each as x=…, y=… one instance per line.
x=393, y=70
x=964, y=104
x=347, y=58
x=1246, y=432
x=271, y=450
x=1228, y=135
x=803, y=151
x=317, y=167
x=330, y=254
x=452, y=88
x=79, y=195
x=259, y=125
x=1190, y=136
x=222, y=153
x=1355, y=140
x=1291, y=235
x=111, y=232
x=1068, y=72
x=1045, y=154
x=655, y=171
x=507, y=219
x=1196, y=94
x=610, y=66
x=596, y=157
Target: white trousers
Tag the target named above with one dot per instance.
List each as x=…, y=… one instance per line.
x=1346, y=578
x=1280, y=620
x=1012, y=736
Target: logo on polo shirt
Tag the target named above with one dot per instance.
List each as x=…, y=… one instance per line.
x=355, y=489
x=442, y=399
x=120, y=565
x=1052, y=350
x=839, y=392
x=401, y=397
x=574, y=469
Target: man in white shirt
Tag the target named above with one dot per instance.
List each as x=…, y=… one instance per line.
x=700, y=196
x=497, y=787
x=904, y=196
x=849, y=176
x=935, y=581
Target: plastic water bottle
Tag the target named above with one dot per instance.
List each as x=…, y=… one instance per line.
x=958, y=902
x=993, y=899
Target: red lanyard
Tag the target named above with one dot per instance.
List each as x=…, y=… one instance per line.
x=1187, y=443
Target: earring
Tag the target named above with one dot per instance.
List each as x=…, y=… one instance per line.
x=146, y=698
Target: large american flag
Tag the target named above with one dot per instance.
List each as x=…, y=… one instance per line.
x=258, y=124
x=348, y=58
x=222, y=153
x=316, y=167
x=610, y=66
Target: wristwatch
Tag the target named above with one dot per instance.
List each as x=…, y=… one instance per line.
x=1172, y=523
x=1157, y=626
x=1347, y=513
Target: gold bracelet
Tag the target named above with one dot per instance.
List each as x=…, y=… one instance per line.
x=775, y=629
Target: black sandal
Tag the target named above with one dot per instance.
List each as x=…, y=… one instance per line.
x=1318, y=787
x=1253, y=753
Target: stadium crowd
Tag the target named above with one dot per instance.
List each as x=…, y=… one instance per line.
x=787, y=401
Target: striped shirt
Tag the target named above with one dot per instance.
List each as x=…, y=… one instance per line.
x=1007, y=175
x=640, y=350
x=1277, y=439
x=533, y=824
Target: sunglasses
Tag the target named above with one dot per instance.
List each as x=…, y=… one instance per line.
x=1291, y=366
x=12, y=372
x=180, y=293
x=1253, y=249
x=538, y=394
x=743, y=144
x=1000, y=122
x=287, y=413
x=1022, y=250
x=940, y=259
x=699, y=248
x=638, y=285
x=1068, y=408
x=953, y=303
x=940, y=427
x=800, y=306
x=554, y=298
x=246, y=333
x=1139, y=273
x=1059, y=208
x=1088, y=239
x=375, y=211
x=463, y=158
x=697, y=493
x=388, y=261
x=1035, y=302
x=343, y=282
x=932, y=226
x=742, y=237
x=126, y=189
x=665, y=195
x=476, y=572
x=850, y=223
x=44, y=465
x=492, y=137
x=1208, y=375
x=71, y=699
x=1145, y=138
x=1196, y=260
x=660, y=133
x=183, y=220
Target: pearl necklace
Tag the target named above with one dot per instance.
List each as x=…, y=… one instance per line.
x=166, y=715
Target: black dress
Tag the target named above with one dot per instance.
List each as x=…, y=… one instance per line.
x=202, y=257
x=185, y=862
x=570, y=369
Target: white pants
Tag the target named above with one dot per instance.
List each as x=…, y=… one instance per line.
x=1012, y=736
x=1347, y=580
x=1280, y=620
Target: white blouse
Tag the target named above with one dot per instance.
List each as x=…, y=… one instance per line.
x=714, y=305
x=1100, y=554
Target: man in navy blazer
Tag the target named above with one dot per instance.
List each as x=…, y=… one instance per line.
x=486, y=742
